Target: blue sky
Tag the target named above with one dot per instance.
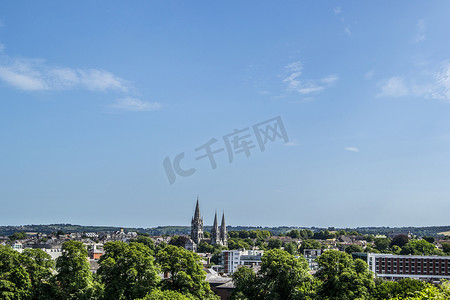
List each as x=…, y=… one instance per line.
x=95, y=95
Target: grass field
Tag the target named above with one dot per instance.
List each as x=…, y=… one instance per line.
x=445, y=233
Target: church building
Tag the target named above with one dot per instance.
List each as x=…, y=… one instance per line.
x=218, y=234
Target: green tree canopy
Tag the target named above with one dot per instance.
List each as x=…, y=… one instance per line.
x=282, y=276
x=342, y=277
x=127, y=270
x=74, y=276
x=39, y=266
x=185, y=271
x=274, y=244
x=309, y=244
x=418, y=247
x=15, y=282
x=382, y=244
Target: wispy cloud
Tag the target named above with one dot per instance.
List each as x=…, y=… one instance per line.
x=434, y=86
x=38, y=75
x=393, y=87
x=347, y=27
x=421, y=29
x=294, y=82
x=441, y=88
x=134, y=104
x=351, y=149
x=292, y=143
x=348, y=30
x=369, y=74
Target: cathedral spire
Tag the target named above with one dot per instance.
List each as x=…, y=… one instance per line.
x=215, y=234
x=197, y=225
x=215, y=225
x=223, y=232
x=197, y=211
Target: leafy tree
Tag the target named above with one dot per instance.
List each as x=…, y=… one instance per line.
x=399, y=240
x=127, y=270
x=309, y=244
x=295, y=234
x=233, y=234
x=369, y=249
x=396, y=249
x=147, y=241
x=382, y=244
x=369, y=238
x=446, y=248
x=306, y=233
x=291, y=248
x=246, y=284
x=282, y=276
x=266, y=234
x=39, y=266
x=243, y=234
x=179, y=241
x=18, y=236
x=206, y=234
x=185, y=271
x=427, y=291
x=418, y=247
x=429, y=239
x=274, y=244
x=74, y=276
x=237, y=243
x=14, y=280
x=205, y=248
x=342, y=277
x=353, y=248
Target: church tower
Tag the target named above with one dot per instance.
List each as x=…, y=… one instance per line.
x=197, y=226
x=223, y=232
x=215, y=233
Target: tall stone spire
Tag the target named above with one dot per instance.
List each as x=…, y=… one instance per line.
x=197, y=211
x=215, y=234
x=197, y=225
x=223, y=232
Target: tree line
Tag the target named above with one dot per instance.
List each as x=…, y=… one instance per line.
x=127, y=271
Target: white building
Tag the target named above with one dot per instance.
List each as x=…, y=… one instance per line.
x=310, y=256
x=232, y=259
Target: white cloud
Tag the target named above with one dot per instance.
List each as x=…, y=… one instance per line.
x=337, y=10
x=135, y=104
x=441, y=88
x=347, y=30
x=292, y=143
x=369, y=75
x=37, y=75
x=295, y=84
x=351, y=149
x=393, y=87
x=436, y=86
x=421, y=31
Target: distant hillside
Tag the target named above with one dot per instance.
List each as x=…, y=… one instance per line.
x=185, y=230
